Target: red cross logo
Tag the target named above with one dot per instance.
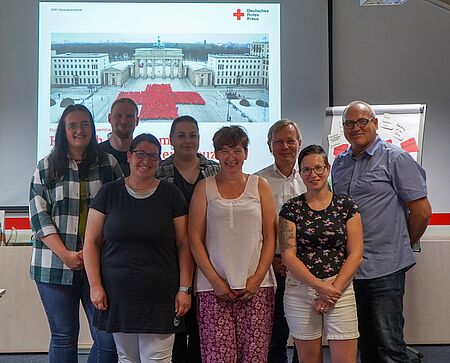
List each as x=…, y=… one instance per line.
x=238, y=14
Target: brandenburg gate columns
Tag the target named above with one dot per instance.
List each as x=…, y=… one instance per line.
x=171, y=68
x=136, y=68
x=144, y=75
x=158, y=56
x=164, y=68
x=180, y=68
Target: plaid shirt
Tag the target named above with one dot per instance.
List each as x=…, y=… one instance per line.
x=54, y=208
x=166, y=168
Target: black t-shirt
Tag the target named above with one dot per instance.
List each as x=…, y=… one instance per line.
x=321, y=235
x=121, y=156
x=186, y=188
x=139, y=259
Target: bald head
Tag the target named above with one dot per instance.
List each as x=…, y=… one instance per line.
x=360, y=125
x=360, y=106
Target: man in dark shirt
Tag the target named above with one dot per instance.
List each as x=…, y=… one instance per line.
x=123, y=119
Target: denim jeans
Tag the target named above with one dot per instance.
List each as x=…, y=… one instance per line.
x=380, y=317
x=62, y=305
x=280, y=329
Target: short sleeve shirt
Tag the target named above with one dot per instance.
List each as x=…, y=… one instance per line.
x=121, y=156
x=381, y=180
x=139, y=259
x=321, y=234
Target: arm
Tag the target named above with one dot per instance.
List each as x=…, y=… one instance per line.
x=418, y=217
x=409, y=181
x=186, y=264
x=72, y=259
x=197, y=228
x=288, y=248
x=43, y=225
x=268, y=247
x=92, y=246
x=354, y=248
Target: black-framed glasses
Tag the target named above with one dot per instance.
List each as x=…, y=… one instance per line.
x=318, y=169
x=362, y=122
x=141, y=155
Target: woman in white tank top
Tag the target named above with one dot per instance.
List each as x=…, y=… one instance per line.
x=232, y=225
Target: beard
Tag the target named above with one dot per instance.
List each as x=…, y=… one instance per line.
x=123, y=134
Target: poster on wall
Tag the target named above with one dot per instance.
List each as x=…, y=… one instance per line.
x=218, y=62
x=401, y=125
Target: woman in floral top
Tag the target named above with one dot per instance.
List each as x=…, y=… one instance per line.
x=320, y=236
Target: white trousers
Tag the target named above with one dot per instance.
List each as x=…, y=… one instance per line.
x=144, y=348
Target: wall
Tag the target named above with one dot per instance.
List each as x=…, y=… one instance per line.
x=399, y=54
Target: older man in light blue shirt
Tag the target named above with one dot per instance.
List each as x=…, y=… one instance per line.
x=284, y=141
x=390, y=190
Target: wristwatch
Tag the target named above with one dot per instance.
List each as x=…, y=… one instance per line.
x=186, y=290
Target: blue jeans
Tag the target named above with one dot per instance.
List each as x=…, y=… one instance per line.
x=280, y=329
x=380, y=317
x=62, y=306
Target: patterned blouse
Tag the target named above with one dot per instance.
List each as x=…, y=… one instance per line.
x=321, y=235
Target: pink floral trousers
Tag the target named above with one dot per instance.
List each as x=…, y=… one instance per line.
x=235, y=331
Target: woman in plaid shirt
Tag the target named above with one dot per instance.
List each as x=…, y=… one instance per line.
x=62, y=187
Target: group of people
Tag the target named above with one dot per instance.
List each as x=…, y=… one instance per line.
x=192, y=260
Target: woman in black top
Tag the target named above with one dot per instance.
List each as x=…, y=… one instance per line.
x=320, y=236
x=138, y=260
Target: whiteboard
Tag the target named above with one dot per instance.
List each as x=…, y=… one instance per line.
x=401, y=125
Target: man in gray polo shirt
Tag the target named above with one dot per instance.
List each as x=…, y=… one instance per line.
x=390, y=190
x=284, y=140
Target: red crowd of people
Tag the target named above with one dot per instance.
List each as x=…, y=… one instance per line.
x=160, y=102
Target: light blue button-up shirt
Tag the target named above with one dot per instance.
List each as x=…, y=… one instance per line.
x=381, y=180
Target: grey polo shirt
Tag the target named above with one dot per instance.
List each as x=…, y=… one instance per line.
x=380, y=181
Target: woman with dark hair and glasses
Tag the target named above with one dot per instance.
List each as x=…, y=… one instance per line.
x=232, y=224
x=138, y=259
x=320, y=236
x=61, y=190
x=185, y=168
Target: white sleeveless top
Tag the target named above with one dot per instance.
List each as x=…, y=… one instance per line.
x=234, y=236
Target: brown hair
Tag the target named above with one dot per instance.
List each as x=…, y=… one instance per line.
x=230, y=136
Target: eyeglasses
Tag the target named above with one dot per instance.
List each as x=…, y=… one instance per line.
x=141, y=155
x=318, y=169
x=84, y=125
x=289, y=142
x=362, y=122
